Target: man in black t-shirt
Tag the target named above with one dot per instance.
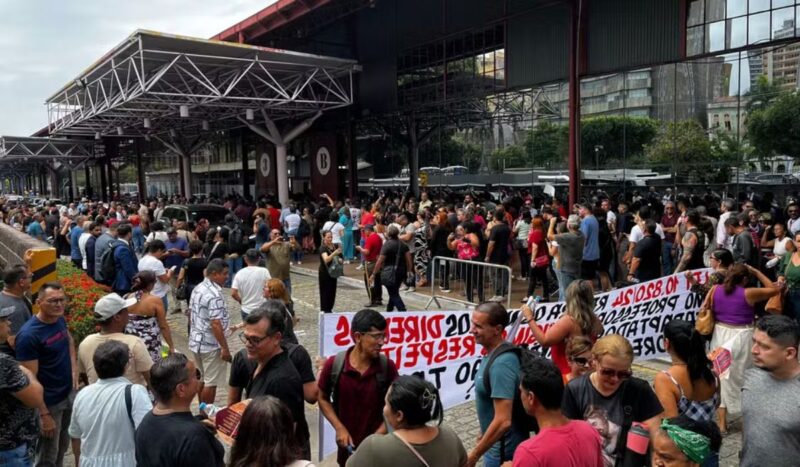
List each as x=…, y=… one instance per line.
x=169, y=436
x=274, y=373
x=646, y=263
x=497, y=253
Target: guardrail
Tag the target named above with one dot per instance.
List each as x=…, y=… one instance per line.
x=471, y=279
x=14, y=244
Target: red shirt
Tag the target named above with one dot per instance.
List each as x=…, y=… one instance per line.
x=274, y=218
x=373, y=243
x=575, y=444
x=360, y=403
x=367, y=218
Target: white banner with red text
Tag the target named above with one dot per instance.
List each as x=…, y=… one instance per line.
x=438, y=346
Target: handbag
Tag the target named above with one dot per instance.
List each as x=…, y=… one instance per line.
x=181, y=292
x=389, y=274
x=541, y=261
x=705, y=321
x=774, y=305
x=336, y=268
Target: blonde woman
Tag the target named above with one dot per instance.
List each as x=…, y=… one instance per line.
x=611, y=398
x=577, y=320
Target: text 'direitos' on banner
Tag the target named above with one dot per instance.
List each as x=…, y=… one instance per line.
x=438, y=346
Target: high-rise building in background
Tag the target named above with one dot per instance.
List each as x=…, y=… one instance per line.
x=781, y=66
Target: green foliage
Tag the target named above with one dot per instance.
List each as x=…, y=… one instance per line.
x=448, y=149
x=614, y=136
x=775, y=128
x=547, y=145
x=680, y=143
x=761, y=94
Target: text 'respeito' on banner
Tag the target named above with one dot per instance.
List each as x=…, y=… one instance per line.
x=438, y=346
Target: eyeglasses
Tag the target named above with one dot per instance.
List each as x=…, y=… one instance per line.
x=610, y=372
x=56, y=301
x=582, y=361
x=252, y=340
x=377, y=335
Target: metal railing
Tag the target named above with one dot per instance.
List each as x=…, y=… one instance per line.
x=463, y=281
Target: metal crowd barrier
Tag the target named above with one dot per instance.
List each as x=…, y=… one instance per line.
x=472, y=282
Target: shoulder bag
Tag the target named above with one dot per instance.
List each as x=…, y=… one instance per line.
x=336, y=267
x=413, y=450
x=704, y=322
x=389, y=273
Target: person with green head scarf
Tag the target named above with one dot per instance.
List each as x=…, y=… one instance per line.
x=683, y=442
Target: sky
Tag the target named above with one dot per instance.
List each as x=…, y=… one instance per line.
x=45, y=44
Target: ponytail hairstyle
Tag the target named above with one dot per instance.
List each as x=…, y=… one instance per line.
x=688, y=345
x=737, y=275
x=417, y=399
x=142, y=280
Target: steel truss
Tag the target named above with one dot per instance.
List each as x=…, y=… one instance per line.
x=140, y=87
x=31, y=149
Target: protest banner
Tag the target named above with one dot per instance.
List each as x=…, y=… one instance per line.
x=438, y=346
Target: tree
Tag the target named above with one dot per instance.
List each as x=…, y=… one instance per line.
x=775, y=129
x=547, y=145
x=761, y=93
x=680, y=145
x=618, y=138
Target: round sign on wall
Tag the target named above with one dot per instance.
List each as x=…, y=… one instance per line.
x=323, y=161
x=264, y=164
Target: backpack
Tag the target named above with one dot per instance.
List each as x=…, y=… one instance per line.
x=236, y=240
x=303, y=229
x=338, y=366
x=520, y=420
x=108, y=264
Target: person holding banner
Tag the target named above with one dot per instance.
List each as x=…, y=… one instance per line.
x=351, y=395
x=577, y=320
x=411, y=404
x=611, y=399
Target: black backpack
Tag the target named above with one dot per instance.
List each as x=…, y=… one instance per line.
x=520, y=420
x=236, y=240
x=108, y=264
x=303, y=229
x=338, y=367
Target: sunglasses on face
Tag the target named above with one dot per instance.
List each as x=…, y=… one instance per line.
x=582, y=361
x=610, y=372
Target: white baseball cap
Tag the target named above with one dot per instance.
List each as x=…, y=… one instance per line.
x=111, y=304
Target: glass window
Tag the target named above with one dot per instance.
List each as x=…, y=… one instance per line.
x=694, y=40
x=758, y=28
x=737, y=32
x=736, y=8
x=696, y=13
x=715, y=36
x=780, y=3
x=783, y=23
x=759, y=5
x=715, y=10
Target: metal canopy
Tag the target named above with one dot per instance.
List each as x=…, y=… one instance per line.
x=152, y=83
x=31, y=149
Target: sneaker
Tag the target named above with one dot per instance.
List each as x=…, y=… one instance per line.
x=411, y=289
x=359, y=267
x=496, y=298
x=299, y=263
x=370, y=305
x=403, y=288
x=445, y=290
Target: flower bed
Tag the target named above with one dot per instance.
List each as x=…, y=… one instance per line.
x=82, y=293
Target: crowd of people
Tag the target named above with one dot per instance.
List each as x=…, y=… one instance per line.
x=123, y=395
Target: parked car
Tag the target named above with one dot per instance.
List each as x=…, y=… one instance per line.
x=213, y=213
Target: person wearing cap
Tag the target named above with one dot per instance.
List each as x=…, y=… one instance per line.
x=248, y=284
x=111, y=313
x=371, y=250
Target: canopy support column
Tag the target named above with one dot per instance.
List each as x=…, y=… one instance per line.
x=271, y=134
x=140, y=178
x=184, y=152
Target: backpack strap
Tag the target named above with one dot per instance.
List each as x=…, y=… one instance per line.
x=336, y=372
x=499, y=350
x=129, y=404
x=383, y=375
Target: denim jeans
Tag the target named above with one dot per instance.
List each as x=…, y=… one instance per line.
x=667, y=262
x=564, y=280
x=138, y=239
x=288, y=284
x=17, y=457
x=234, y=265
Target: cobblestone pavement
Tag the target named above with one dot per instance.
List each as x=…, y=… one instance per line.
x=350, y=297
